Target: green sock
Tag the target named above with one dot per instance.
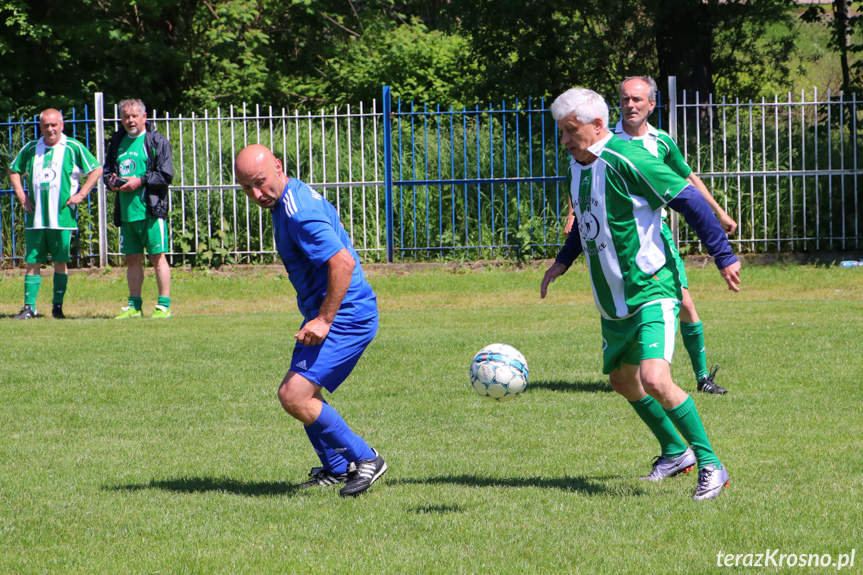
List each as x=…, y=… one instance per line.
x=136, y=302
x=652, y=414
x=31, y=290
x=164, y=301
x=688, y=423
x=693, y=341
x=60, y=281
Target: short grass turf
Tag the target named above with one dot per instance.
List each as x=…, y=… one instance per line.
x=159, y=446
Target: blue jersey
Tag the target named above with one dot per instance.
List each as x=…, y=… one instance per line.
x=308, y=233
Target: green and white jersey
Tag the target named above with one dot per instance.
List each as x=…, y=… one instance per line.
x=53, y=174
x=617, y=201
x=660, y=145
x=132, y=162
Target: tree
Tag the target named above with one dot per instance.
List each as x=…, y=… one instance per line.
x=56, y=54
x=543, y=48
x=844, y=24
x=421, y=65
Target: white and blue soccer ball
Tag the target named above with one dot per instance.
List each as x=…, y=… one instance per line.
x=498, y=372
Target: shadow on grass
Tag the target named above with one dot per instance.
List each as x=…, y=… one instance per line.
x=207, y=484
x=584, y=485
x=12, y=315
x=41, y=316
x=572, y=386
x=579, y=484
x=436, y=509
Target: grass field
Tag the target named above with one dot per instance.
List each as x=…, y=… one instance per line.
x=160, y=447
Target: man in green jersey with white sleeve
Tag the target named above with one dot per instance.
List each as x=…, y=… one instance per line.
x=637, y=101
x=53, y=164
x=139, y=167
x=618, y=191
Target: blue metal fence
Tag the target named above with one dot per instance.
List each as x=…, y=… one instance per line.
x=480, y=182
x=475, y=183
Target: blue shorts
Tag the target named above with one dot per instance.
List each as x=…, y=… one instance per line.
x=331, y=362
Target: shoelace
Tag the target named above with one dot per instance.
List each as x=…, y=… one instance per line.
x=704, y=477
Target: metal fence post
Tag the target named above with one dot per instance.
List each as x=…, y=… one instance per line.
x=672, y=107
x=388, y=171
x=672, y=131
x=102, y=199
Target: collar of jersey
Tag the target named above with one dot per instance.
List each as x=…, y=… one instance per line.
x=596, y=148
x=651, y=131
x=62, y=140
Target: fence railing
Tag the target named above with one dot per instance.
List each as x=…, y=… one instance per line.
x=416, y=182
x=787, y=170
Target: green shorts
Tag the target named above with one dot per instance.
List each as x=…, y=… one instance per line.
x=38, y=243
x=649, y=334
x=151, y=233
x=672, y=254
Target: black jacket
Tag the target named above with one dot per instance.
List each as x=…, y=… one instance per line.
x=159, y=175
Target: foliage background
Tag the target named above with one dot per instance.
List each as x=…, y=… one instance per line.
x=182, y=54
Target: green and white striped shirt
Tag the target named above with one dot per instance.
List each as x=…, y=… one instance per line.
x=617, y=201
x=53, y=173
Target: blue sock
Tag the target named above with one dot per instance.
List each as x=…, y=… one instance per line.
x=335, y=433
x=332, y=461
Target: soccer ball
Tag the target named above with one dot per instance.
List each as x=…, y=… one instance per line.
x=498, y=372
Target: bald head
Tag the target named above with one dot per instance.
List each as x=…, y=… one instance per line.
x=251, y=158
x=51, y=126
x=51, y=113
x=260, y=175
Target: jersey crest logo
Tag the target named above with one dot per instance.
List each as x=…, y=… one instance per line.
x=127, y=167
x=588, y=226
x=48, y=175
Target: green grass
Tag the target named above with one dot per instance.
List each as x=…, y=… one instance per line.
x=144, y=446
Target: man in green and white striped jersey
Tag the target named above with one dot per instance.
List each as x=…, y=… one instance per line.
x=53, y=165
x=637, y=101
x=618, y=191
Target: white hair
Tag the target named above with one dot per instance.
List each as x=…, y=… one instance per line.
x=586, y=104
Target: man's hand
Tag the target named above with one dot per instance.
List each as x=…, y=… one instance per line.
x=131, y=185
x=75, y=200
x=728, y=224
x=314, y=332
x=550, y=275
x=731, y=275
x=27, y=205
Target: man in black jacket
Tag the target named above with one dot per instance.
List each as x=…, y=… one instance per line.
x=139, y=167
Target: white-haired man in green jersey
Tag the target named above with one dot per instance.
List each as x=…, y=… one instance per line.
x=618, y=192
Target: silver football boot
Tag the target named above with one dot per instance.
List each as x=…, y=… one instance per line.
x=664, y=467
x=710, y=483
